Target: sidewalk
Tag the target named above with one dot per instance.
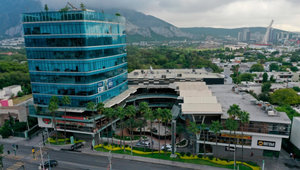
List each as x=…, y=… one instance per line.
x=152, y=160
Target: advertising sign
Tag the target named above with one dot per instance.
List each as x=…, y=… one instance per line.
x=100, y=87
x=110, y=83
x=266, y=143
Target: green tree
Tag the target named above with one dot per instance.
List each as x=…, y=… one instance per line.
x=159, y=115
x=46, y=8
x=233, y=111
x=121, y=115
x=167, y=116
x=274, y=67
x=117, y=14
x=265, y=78
x=52, y=107
x=297, y=89
x=272, y=80
x=66, y=100
x=257, y=68
x=108, y=112
x=266, y=87
x=1, y=152
x=143, y=108
x=66, y=8
x=216, y=127
x=203, y=127
x=149, y=115
x=111, y=115
x=130, y=112
x=244, y=117
x=294, y=69
x=285, y=97
x=231, y=125
x=91, y=106
x=193, y=129
x=246, y=77
x=100, y=108
x=82, y=7
x=179, y=131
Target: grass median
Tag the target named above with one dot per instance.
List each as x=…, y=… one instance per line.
x=178, y=159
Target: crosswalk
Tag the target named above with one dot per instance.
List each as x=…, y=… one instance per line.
x=21, y=159
x=15, y=166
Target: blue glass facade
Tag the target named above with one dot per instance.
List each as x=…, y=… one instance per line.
x=81, y=54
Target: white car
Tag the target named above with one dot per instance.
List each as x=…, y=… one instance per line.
x=168, y=147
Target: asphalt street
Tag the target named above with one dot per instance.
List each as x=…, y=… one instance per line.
x=71, y=160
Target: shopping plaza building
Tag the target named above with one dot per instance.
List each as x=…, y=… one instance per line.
x=82, y=54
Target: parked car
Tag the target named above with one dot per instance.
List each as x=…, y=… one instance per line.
x=77, y=145
x=168, y=147
x=52, y=163
x=143, y=143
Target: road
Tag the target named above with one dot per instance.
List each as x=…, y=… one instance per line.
x=72, y=160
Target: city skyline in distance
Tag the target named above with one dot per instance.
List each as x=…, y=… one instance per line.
x=199, y=13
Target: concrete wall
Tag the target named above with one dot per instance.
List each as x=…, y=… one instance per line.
x=13, y=90
x=295, y=134
x=247, y=152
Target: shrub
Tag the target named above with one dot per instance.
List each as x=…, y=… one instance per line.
x=115, y=145
x=251, y=163
x=182, y=153
x=188, y=154
x=210, y=157
x=105, y=143
x=126, y=146
x=199, y=156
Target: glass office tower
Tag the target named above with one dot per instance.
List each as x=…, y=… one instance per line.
x=81, y=54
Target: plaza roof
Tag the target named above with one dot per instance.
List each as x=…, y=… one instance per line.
x=201, y=108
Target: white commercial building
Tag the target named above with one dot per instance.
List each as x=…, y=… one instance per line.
x=12, y=90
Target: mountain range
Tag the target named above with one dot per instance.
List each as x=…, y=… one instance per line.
x=139, y=27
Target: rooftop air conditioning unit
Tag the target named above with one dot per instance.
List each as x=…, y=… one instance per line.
x=179, y=75
x=163, y=76
x=136, y=73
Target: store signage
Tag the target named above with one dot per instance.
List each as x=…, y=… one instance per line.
x=74, y=117
x=47, y=121
x=266, y=143
x=71, y=123
x=231, y=148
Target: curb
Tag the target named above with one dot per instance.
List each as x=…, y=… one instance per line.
x=168, y=164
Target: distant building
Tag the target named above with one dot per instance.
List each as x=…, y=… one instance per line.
x=17, y=112
x=246, y=35
x=240, y=36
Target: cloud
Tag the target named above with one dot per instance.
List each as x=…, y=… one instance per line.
x=206, y=13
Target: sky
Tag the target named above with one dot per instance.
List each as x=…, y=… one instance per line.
x=207, y=13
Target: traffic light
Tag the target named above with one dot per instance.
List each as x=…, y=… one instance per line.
x=8, y=152
x=17, y=146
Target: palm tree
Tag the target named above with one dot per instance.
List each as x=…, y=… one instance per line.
x=180, y=130
x=231, y=125
x=216, y=127
x=143, y=108
x=100, y=108
x=203, y=126
x=91, y=106
x=193, y=129
x=108, y=112
x=159, y=115
x=66, y=100
x=166, y=118
x=121, y=114
x=149, y=115
x=234, y=111
x=130, y=112
x=245, y=118
x=52, y=107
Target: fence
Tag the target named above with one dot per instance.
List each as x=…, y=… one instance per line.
x=26, y=133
